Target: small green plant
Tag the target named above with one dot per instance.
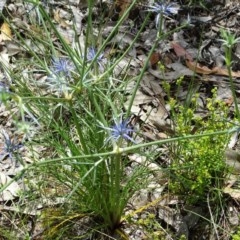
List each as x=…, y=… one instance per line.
x=236, y=236
x=152, y=227
x=182, y=237
x=198, y=165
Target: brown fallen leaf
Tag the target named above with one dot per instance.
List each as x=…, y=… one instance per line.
x=6, y=33
x=180, y=51
x=154, y=59
x=122, y=5
x=229, y=101
x=198, y=68
x=224, y=72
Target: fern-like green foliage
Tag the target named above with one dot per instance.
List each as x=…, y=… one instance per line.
x=198, y=164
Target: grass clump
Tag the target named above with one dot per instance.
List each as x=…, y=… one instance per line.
x=78, y=111
x=198, y=165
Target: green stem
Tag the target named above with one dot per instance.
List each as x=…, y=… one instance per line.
x=116, y=197
x=100, y=112
x=100, y=50
x=134, y=147
x=88, y=42
x=79, y=131
x=46, y=99
x=160, y=36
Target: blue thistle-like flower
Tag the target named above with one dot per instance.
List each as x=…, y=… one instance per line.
x=120, y=130
x=92, y=54
x=10, y=146
x=164, y=8
x=60, y=78
x=62, y=66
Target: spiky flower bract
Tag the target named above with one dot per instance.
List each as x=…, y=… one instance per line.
x=60, y=78
x=163, y=9
x=92, y=52
x=62, y=66
x=120, y=130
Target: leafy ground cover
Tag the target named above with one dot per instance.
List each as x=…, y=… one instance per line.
x=119, y=119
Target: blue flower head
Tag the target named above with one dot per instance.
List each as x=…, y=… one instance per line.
x=164, y=8
x=120, y=130
x=60, y=78
x=92, y=54
x=62, y=66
